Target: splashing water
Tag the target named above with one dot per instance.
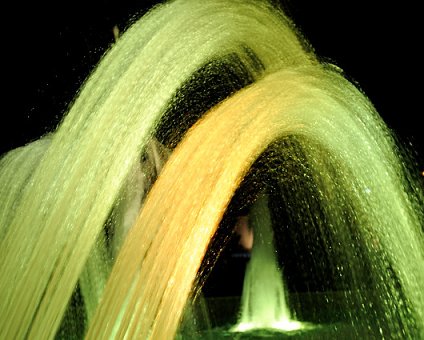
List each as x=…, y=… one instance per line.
x=149, y=285
x=81, y=174
x=264, y=302
x=68, y=243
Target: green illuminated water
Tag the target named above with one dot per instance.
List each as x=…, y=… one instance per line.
x=264, y=302
x=355, y=214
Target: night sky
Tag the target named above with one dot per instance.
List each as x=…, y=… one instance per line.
x=50, y=49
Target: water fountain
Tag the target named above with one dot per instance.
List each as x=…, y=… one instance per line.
x=68, y=256
x=264, y=304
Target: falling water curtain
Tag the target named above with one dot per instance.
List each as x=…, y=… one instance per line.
x=56, y=206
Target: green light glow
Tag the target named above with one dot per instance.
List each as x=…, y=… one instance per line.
x=65, y=200
x=284, y=325
x=264, y=304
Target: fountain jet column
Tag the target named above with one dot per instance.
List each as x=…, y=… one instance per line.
x=264, y=303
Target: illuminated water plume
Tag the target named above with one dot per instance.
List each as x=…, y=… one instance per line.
x=60, y=211
x=264, y=296
x=311, y=102
x=81, y=174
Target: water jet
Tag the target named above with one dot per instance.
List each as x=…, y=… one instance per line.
x=108, y=224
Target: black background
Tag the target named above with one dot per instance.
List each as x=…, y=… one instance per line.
x=48, y=50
